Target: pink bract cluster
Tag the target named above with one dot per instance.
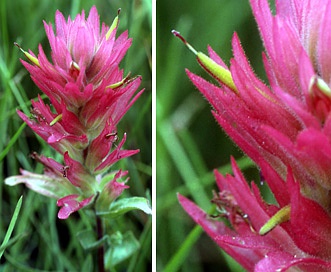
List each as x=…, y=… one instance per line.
x=89, y=95
x=285, y=127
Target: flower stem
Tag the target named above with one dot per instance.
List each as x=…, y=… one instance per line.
x=101, y=250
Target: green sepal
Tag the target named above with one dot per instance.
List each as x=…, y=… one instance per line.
x=124, y=205
x=122, y=246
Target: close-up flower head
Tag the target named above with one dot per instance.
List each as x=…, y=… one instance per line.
x=282, y=123
x=87, y=147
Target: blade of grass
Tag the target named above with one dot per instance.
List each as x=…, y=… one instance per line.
x=16, y=90
x=180, y=256
x=12, y=241
x=183, y=163
x=21, y=267
x=144, y=241
x=11, y=225
x=12, y=141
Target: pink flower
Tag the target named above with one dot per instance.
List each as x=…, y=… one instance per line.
x=285, y=128
x=89, y=96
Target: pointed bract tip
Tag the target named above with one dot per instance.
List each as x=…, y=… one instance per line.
x=177, y=34
x=17, y=45
x=28, y=55
x=120, y=83
x=114, y=25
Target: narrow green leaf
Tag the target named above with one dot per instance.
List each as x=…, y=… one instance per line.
x=12, y=141
x=180, y=256
x=11, y=226
x=88, y=264
x=19, y=266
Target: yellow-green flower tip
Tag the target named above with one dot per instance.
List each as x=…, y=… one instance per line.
x=74, y=65
x=32, y=58
x=120, y=83
x=216, y=70
x=28, y=55
x=321, y=85
x=113, y=25
x=283, y=215
x=56, y=119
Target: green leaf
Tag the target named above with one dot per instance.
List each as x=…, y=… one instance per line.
x=124, y=205
x=121, y=248
x=88, y=240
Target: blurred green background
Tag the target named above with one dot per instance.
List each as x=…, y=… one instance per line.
x=43, y=241
x=190, y=144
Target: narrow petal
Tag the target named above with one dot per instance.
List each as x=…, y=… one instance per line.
x=70, y=204
x=324, y=41
x=116, y=155
x=42, y=184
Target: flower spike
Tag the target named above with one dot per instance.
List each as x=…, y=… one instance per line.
x=217, y=71
x=81, y=124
